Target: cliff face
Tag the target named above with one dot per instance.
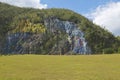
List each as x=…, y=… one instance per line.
x=61, y=37
x=21, y=43
x=75, y=36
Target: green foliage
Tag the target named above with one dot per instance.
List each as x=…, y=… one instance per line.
x=118, y=37
x=14, y=19
x=119, y=50
x=33, y=28
x=27, y=26
x=108, y=51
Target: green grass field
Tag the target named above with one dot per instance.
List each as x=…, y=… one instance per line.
x=78, y=67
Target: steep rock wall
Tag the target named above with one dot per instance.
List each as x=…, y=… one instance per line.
x=78, y=44
x=61, y=37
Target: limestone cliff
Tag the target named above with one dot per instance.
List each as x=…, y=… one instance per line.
x=67, y=37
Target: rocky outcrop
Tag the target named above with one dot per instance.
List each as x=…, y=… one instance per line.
x=75, y=37
x=61, y=37
x=22, y=43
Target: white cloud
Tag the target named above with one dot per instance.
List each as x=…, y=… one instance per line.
x=26, y=3
x=109, y=16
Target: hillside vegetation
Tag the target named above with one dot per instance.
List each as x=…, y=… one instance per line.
x=14, y=19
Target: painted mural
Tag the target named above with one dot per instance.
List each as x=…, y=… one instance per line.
x=75, y=35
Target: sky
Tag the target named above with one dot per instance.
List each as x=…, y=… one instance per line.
x=105, y=13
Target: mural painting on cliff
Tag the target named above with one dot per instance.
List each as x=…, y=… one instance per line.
x=75, y=35
x=13, y=43
x=22, y=43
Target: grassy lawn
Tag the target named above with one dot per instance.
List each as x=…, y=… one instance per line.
x=41, y=67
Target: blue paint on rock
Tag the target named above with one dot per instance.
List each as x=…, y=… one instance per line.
x=74, y=34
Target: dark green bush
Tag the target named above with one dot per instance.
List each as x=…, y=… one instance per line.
x=119, y=50
x=108, y=51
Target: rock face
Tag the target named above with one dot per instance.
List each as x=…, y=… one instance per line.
x=22, y=43
x=14, y=42
x=75, y=37
x=61, y=37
